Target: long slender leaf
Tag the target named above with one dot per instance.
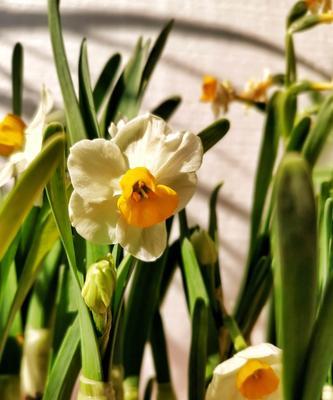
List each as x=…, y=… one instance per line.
x=159, y=349
x=56, y=192
x=139, y=314
x=166, y=109
x=17, y=79
x=74, y=119
x=265, y=167
x=124, y=101
x=296, y=253
x=105, y=80
x=29, y=186
x=299, y=135
x=214, y=133
x=192, y=275
x=45, y=237
x=154, y=56
x=66, y=367
x=85, y=95
x=198, y=355
x=319, y=132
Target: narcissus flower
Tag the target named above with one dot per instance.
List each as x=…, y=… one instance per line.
x=125, y=188
x=19, y=144
x=319, y=6
x=219, y=94
x=257, y=90
x=252, y=374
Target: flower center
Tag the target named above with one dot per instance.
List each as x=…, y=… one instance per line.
x=11, y=135
x=256, y=379
x=143, y=202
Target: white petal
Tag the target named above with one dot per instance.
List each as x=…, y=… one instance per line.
x=223, y=384
x=34, y=132
x=181, y=153
x=185, y=186
x=94, y=221
x=6, y=173
x=266, y=352
x=146, y=244
x=149, y=142
x=95, y=167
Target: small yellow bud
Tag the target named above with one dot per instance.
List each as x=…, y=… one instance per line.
x=99, y=286
x=204, y=246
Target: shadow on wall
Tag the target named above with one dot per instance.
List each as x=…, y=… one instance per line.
x=83, y=24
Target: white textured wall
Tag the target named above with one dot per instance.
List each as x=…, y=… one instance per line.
x=232, y=39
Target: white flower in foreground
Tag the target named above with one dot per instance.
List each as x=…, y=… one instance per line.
x=252, y=374
x=125, y=188
x=20, y=144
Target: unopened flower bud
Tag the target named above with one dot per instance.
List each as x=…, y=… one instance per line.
x=204, y=246
x=99, y=286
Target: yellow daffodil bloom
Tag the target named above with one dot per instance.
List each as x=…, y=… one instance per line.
x=251, y=374
x=125, y=188
x=19, y=144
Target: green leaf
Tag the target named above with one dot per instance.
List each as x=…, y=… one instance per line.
x=198, y=352
x=85, y=95
x=149, y=389
x=267, y=156
x=57, y=195
x=44, y=239
x=41, y=304
x=72, y=110
x=124, y=101
x=154, y=56
x=295, y=249
x=304, y=23
x=27, y=189
x=139, y=314
x=64, y=372
x=212, y=224
x=192, y=275
x=105, y=80
x=159, y=350
x=166, y=109
x=319, y=132
x=299, y=134
x=297, y=11
x=17, y=79
x=214, y=133
x=320, y=349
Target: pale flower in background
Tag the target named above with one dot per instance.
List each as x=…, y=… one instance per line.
x=19, y=144
x=319, y=6
x=125, y=188
x=257, y=90
x=252, y=374
x=219, y=94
